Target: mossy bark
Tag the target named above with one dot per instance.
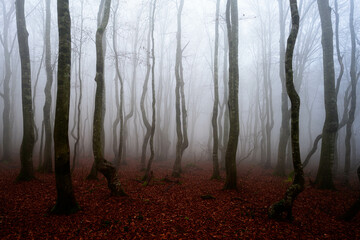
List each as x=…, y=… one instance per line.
x=27, y=145
x=285, y=205
x=65, y=202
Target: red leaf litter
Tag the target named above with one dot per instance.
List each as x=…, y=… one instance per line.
x=173, y=210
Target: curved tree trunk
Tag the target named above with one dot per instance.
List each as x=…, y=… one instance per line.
x=153, y=122
x=324, y=178
x=47, y=166
x=65, y=202
x=27, y=145
x=233, y=38
x=216, y=171
x=102, y=165
x=285, y=205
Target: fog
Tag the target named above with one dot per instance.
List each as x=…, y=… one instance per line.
x=259, y=83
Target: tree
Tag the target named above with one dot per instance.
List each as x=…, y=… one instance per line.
x=5, y=95
x=233, y=38
x=65, y=202
x=216, y=171
x=285, y=205
x=284, y=129
x=153, y=122
x=354, y=80
x=27, y=145
x=180, y=108
x=47, y=166
x=102, y=165
x=324, y=178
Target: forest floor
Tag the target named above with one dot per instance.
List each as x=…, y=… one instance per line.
x=173, y=210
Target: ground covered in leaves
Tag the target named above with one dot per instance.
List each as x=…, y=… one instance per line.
x=193, y=207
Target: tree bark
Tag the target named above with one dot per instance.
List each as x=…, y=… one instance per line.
x=216, y=171
x=285, y=205
x=65, y=202
x=102, y=165
x=324, y=178
x=27, y=145
x=179, y=131
x=233, y=104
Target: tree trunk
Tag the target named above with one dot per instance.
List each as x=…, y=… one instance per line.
x=216, y=171
x=233, y=38
x=65, y=202
x=179, y=131
x=353, y=95
x=7, y=137
x=102, y=165
x=142, y=100
x=324, y=178
x=285, y=205
x=27, y=145
x=153, y=122
x=47, y=166
x=284, y=129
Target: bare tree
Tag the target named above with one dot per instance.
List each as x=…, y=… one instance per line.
x=27, y=145
x=216, y=171
x=65, y=202
x=233, y=38
x=324, y=178
x=285, y=205
x=102, y=165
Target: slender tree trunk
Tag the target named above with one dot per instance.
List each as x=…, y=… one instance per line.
x=47, y=166
x=102, y=165
x=179, y=131
x=216, y=171
x=324, y=178
x=233, y=38
x=27, y=145
x=285, y=205
x=6, y=94
x=284, y=129
x=353, y=95
x=65, y=202
x=153, y=122
x=142, y=100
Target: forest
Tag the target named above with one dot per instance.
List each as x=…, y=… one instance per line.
x=178, y=119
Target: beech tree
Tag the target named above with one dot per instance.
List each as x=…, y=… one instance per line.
x=102, y=165
x=27, y=145
x=324, y=178
x=232, y=22
x=285, y=205
x=65, y=202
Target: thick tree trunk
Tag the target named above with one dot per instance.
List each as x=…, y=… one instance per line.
x=285, y=205
x=65, y=202
x=27, y=145
x=216, y=171
x=102, y=165
x=324, y=178
x=233, y=38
